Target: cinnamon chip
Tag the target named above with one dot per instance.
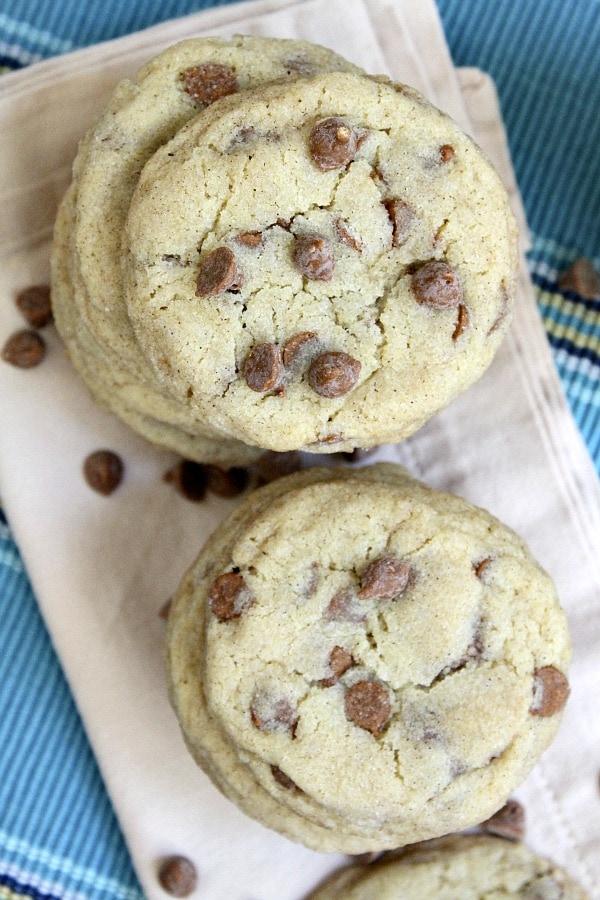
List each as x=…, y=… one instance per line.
x=103, y=471
x=209, y=82
x=284, y=780
x=189, y=479
x=295, y=345
x=508, y=822
x=344, y=607
x=24, y=349
x=34, y=305
x=480, y=567
x=177, y=876
x=313, y=257
x=437, y=285
x=446, y=153
x=333, y=374
x=229, y=597
x=340, y=661
x=332, y=144
x=384, y=578
x=550, y=691
x=252, y=239
x=273, y=714
x=218, y=272
x=462, y=321
x=263, y=369
x=225, y=482
x=581, y=278
x=403, y=218
x=367, y=704
x=346, y=236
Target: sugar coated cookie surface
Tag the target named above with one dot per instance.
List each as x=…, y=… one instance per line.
x=361, y=662
x=455, y=868
x=319, y=265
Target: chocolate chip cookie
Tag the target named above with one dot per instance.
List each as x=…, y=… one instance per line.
x=361, y=662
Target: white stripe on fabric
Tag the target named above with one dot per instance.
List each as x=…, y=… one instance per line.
x=14, y=51
x=23, y=31
x=9, y=557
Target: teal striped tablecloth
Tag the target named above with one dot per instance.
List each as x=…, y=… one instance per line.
x=58, y=834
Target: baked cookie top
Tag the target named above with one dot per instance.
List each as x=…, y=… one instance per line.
x=319, y=265
x=362, y=662
x=458, y=867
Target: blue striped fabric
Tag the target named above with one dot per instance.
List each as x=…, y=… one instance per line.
x=58, y=834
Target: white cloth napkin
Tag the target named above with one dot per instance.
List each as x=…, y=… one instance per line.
x=103, y=567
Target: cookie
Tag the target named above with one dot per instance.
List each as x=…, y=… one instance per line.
x=142, y=114
x=360, y=662
x=319, y=265
x=458, y=867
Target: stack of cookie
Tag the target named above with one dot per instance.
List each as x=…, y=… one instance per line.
x=264, y=247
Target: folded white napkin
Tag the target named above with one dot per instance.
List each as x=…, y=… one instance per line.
x=103, y=567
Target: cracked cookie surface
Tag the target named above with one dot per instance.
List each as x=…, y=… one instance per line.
x=326, y=207
x=458, y=867
x=361, y=662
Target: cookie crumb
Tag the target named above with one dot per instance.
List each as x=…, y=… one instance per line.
x=103, y=471
x=333, y=374
x=34, y=305
x=24, y=349
x=332, y=144
x=177, y=876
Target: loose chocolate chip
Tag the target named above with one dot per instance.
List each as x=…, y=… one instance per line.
x=462, y=321
x=550, y=691
x=384, y=578
x=294, y=346
x=367, y=704
x=346, y=236
x=103, y=471
x=480, y=567
x=402, y=217
x=24, y=349
x=252, y=239
x=340, y=661
x=508, y=822
x=313, y=257
x=263, y=369
x=189, y=479
x=333, y=374
x=332, y=144
x=284, y=780
x=225, y=482
x=209, y=82
x=436, y=284
x=229, y=597
x=446, y=153
x=177, y=876
x=581, y=278
x=34, y=305
x=273, y=465
x=273, y=714
x=344, y=607
x=218, y=272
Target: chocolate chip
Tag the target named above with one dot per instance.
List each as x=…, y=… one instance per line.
x=384, y=578
x=346, y=236
x=508, y=822
x=263, y=369
x=218, y=272
x=550, y=691
x=344, y=607
x=446, y=153
x=402, y=217
x=294, y=346
x=273, y=465
x=367, y=704
x=284, y=780
x=340, y=661
x=332, y=144
x=313, y=257
x=34, y=305
x=333, y=374
x=462, y=321
x=177, y=876
x=209, y=82
x=273, y=714
x=252, y=239
x=229, y=597
x=189, y=479
x=24, y=349
x=103, y=471
x=436, y=284
x=581, y=278
x=225, y=482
